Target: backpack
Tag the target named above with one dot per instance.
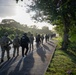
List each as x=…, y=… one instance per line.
x=31, y=39
x=4, y=41
x=16, y=42
x=42, y=37
x=24, y=40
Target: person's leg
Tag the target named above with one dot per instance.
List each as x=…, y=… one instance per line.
x=26, y=49
x=42, y=41
x=46, y=40
x=23, y=51
x=14, y=51
x=37, y=44
x=8, y=54
x=32, y=46
x=2, y=54
x=17, y=51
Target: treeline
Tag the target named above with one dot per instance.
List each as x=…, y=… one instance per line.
x=13, y=27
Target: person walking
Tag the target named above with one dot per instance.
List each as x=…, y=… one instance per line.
x=42, y=38
x=38, y=40
x=31, y=38
x=16, y=45
x=5, y=42
x=24, y=43
x=46, y=37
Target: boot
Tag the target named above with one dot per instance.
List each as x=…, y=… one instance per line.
x=2, y=60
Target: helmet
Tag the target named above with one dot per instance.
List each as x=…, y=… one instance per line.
x=25, y=34
x=17, y=35
x=5, y=34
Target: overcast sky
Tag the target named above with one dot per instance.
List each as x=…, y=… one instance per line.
x=9, y=9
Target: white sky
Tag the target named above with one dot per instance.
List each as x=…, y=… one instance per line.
x=18, y=13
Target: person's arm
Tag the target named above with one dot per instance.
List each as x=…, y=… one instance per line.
x=28, y=40
x=10, y=41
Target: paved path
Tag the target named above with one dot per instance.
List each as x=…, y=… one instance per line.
x=35, y=63
x=11, y=51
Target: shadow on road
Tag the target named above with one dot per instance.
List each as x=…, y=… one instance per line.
x=6, y=65
x=24, y=66
x=42, y=53
x=46, y=47
x=28, y=64
x=52, y=44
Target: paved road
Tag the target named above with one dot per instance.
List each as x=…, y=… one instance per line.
x=35, y=63
x=11, y=51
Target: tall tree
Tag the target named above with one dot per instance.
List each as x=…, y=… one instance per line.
x=58, y=12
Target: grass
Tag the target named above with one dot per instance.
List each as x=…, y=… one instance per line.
x=61, y=63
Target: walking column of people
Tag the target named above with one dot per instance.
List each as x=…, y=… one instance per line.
x=24, y=42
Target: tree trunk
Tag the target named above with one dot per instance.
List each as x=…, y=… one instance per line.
x=65, y=40
x=65, y=36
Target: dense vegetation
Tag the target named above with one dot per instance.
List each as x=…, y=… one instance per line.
x=61, y=13
x=63, y=61
x=13, y=27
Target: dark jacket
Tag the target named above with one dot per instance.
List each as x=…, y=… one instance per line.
x=24, y=41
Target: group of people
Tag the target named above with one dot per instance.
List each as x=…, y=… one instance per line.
x=24, y=42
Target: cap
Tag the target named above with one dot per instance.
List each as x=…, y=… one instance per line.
x=6, y=34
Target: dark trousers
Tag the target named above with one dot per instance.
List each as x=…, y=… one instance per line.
x=23, y=50
x=3, y=53
x=16, y=49
x=31, y=46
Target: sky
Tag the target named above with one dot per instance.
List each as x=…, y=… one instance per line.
x=9, y=9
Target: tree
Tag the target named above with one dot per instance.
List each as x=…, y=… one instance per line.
x=52, y=11
x=58, y=12
x=45, y=28
x=18, y=0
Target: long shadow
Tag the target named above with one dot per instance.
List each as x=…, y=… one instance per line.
x=42, y=53
x=46, y=47
x=7, y=63
x=4, y=69
x=28, y=64
x=51, y=44
x=16, y=69
x=24, y=66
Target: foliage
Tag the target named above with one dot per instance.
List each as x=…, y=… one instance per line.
x=72, y=48
x=62, y=61
x=57, y=12
x=72, y=33
x=11, y=31
x=13, y=27
x=59, y=30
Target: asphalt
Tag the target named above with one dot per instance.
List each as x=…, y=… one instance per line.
x=35, y=63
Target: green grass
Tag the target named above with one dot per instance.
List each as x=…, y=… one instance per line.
x=61, y=63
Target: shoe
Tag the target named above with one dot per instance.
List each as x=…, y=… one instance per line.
x=22, y=55
x=2, y=60
x=9, y=58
